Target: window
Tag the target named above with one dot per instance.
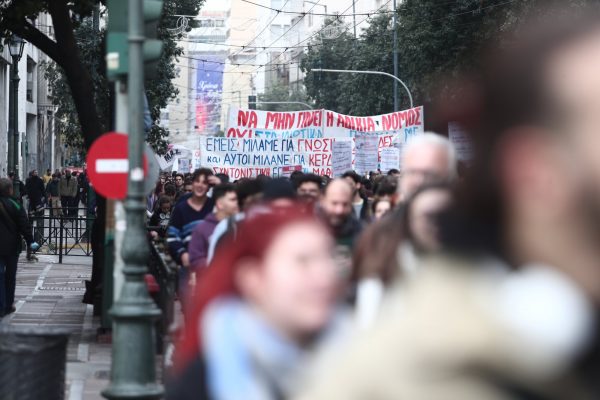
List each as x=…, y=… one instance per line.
x=220, y=23
x=30, y=78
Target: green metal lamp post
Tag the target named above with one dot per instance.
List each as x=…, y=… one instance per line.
x=15, y=47
x=133, y=371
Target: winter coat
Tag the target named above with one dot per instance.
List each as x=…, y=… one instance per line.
x=13, y=225
x=34, y=187
x=68, y=187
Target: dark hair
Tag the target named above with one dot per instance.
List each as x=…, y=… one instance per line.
x=295, y=177
x=170, y=189
x=387, y=186
x=352, y=175
x=376, y=201
x=205, y=172
x=247, y=187
x=510, y=91
x=304, y=178
x=221, y=190
x=158, y=188
x=263, y=179
x=393, y=171
x=163, y=200
x=223, y=177
x=179, y=175
x=187, y=181
x=279, y=188
x=5, y=187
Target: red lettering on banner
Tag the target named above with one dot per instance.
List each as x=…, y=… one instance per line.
x=247, y=118
x=329, y=119
x=236, y=133
x=323, y=145
x=359, y=125
x=370, y=125
x=411, y=118
x=310, y=118
x=402, y=117
x=319, y=160
x=418, y=119
x=394, y=121
x=385, y=141
x=322, y=171
x=280, y=121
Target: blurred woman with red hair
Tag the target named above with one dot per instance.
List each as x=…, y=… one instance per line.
x=266, y=302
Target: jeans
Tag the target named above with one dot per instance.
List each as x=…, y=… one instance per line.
x=8, y=281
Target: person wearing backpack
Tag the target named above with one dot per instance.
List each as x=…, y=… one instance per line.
x=13, y=226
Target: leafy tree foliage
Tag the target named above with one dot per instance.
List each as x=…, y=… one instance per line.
x=435, y=39
x=281, y=93
x=77, y=74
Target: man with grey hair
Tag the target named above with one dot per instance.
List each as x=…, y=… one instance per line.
x=426, y=158
x=13, y=225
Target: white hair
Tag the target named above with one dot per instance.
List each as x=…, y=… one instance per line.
x=433, y=139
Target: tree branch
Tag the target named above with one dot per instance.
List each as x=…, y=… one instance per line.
x=39, y=40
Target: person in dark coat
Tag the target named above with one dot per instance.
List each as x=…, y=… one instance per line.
x=34, y=188
x=13, y=226
x=21, y=193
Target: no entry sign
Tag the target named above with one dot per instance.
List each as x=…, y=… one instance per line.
x=108, y=165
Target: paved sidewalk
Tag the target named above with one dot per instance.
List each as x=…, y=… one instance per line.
x=50, y=294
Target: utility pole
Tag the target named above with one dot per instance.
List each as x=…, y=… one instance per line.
x=395, y=55
x=354, y=18
x=133, y=373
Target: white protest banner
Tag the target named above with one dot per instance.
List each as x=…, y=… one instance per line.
x=367, y=154
x=341, y=157
x=314, y=127
x=313, y=124
x=196, y=160
x=246, y=158
x=390, y=159
x=173, y=152
x=184, y=165
x=458, y=137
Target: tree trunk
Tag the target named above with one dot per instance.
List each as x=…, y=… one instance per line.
x=79, y=79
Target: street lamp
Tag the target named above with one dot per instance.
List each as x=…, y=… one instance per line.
x=15, y=47
x=352, y=71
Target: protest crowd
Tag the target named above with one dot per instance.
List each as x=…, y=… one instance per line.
x=435, y=280
x=432, y=281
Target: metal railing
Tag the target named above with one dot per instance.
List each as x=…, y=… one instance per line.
x=164, y=271
x=65, y=234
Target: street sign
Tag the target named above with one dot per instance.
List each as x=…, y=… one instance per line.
x=108, y=165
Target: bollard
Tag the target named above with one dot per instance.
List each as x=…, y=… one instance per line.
x=32, y=363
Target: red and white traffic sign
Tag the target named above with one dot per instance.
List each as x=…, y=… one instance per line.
x=108, y=165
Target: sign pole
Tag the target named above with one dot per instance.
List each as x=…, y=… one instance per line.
x=133, y=374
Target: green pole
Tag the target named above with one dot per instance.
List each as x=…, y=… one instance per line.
x=133, y=373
